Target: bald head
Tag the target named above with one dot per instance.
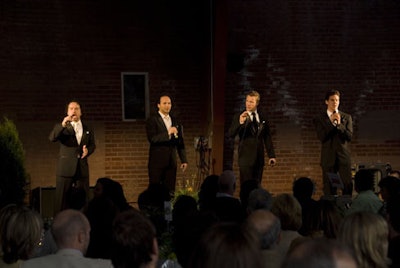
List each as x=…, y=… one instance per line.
x=71, y=229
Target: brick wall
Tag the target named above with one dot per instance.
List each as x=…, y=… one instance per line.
x=54, y=51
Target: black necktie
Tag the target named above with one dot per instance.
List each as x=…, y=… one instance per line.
x=254, y=122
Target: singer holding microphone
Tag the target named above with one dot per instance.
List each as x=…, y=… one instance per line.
x=335, y=130
x=77, y=143
x=166, y=142
x=254, y=134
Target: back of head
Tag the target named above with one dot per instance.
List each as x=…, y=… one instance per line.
x=267, y=226
x=259, y=199
x=227, y=245
x=114, y=191
x=393, y=212
x=320, y=252
x=364, y=180
x=68, y=226
x=20, y=232
x=134, y=240
x=366, y=233
x=288, y=210
x=208, y=192
x=227, y=182
x=303, y=188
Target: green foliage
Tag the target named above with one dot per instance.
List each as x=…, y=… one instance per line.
x=13, y=177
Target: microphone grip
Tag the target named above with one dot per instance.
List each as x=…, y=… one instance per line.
x=176, y=134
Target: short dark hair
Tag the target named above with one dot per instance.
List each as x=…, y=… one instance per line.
x=331, y=93
x=133, y=239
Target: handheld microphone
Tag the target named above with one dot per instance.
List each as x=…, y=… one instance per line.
x=335, y=122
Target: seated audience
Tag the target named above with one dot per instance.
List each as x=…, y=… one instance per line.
x=268, y=229
x=227, y=245
x=227, y=207
x=288, y=210
x=320, y=252
x=151, y=203
x=208, y=192
x=71, y=231
x=323, y=221
x=303, y=189
x=134, y=241
x=108, y=200
x=389, y=186
x=393, y=219
x=366, y=199
x=259, y=199
x=20, y=234
x=245, y=189
x=366, y=233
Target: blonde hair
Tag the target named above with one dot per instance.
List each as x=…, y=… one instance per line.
x=288, y=210
x=254, y=93
x=366, y=234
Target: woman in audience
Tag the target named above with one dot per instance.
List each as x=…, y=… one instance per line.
x=20, y=234
x=227, y=245
x=366, y=233
x=288, y=210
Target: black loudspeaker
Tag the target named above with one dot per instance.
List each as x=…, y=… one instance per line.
x=43, y=199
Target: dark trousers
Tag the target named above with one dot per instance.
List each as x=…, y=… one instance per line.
x=69, y=190
x=165, y=176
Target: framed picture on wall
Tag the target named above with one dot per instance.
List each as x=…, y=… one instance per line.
x=135, y=96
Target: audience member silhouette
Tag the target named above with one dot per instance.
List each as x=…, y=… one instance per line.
x=227, y=245
x=20, y=234
x=393, y=219
x=303, y=189
x=288, y=210
x=151, y=202
x=71, y=231
x=259, y=199
x=108, y=200
x=208, y=192
x=134, y=241
x=227, y=207
x=323, y=221
x=186, y=231
x=389, y=186
x=320, y=252
x=366, y=199
x=366, y=233
x=268, y=229
x=245, y=189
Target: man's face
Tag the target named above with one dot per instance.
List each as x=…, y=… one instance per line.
x=251, y=103
x=165, y=105
x=333, y=103
x=74, y=110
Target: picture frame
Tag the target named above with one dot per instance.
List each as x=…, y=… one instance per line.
x=135, y=96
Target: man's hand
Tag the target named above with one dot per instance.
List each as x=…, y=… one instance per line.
x=272, y=162
x=85, y=151
x=66, y=120
x=243, y=117
x=184, y=166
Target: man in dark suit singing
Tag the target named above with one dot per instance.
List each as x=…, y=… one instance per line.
x=166, y=141
x=254, y=133
x=77, y=143
x=335, y=130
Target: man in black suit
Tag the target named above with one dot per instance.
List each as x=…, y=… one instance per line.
x=77, y=143
x=254, y=133
x=335, y=130
x=166, y=141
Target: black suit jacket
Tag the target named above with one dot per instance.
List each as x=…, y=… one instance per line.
x=334, y=140
x=163, y=148
x=251, y=144
x=70, y=151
